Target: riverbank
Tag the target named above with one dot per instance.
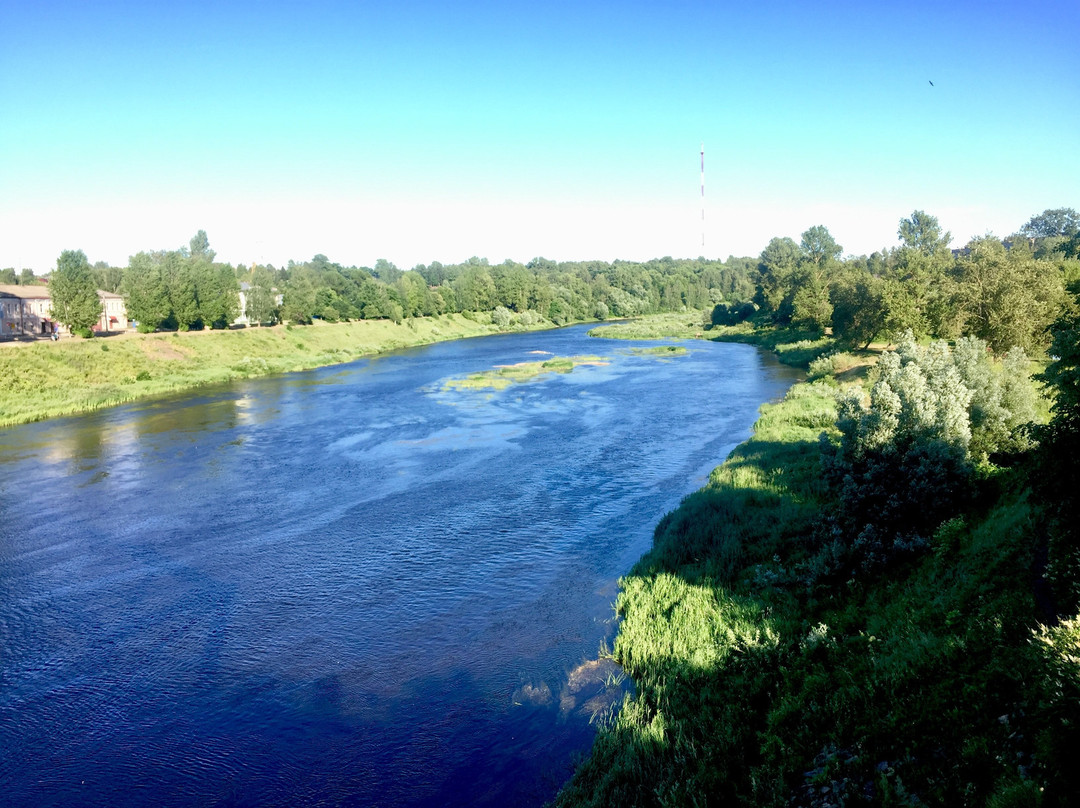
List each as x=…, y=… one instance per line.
x=766, y=675
x=47, y=379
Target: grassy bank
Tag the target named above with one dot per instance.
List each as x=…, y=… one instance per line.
x=791, y=346
x=762, y=679
x=47, y=379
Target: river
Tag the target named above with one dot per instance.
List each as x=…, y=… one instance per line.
x=348, y=586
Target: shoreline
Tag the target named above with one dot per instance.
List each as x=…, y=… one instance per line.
x=46, y=379
x=73, y=376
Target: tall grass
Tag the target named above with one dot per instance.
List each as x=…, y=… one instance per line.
x=759, y=683
x=684, y=325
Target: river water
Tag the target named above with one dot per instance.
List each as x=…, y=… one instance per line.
x=349, y=586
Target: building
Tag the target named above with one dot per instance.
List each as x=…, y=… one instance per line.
x=113, y=314
x=26, y=311
x=245, y=290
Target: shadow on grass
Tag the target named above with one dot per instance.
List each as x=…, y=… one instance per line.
x=758, y=685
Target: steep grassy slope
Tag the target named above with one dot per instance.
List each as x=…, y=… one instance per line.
x=763, y=678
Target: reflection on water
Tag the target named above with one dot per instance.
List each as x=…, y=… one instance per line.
x=347, y=586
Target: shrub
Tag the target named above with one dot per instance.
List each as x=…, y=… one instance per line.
x=901, y=466
x=821, y=367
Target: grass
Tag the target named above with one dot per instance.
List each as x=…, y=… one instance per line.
x=661, y=351
x=791, y=345
x=501, y=377
x=47, y=379
x=760, y=683
x=683, y=325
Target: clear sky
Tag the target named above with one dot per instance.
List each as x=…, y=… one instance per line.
x=421, y=131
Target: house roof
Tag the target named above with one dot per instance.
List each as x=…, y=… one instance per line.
x=38, y=292
x=28, y=292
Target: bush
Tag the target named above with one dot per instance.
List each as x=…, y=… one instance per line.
x=901, y=467
x=821, y=367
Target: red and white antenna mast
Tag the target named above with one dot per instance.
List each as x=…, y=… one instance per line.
x=703, y=194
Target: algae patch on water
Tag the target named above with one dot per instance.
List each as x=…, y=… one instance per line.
x=661, y=351
x=502, y=376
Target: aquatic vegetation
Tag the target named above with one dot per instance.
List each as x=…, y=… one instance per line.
x=661, y=351
x=502, y=376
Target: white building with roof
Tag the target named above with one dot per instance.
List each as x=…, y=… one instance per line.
x=26, y=311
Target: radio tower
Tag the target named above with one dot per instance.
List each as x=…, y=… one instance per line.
x=703, y=194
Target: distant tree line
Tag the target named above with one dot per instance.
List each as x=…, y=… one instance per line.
x=1006, y=292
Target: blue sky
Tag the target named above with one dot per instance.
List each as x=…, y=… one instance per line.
x=419, y=131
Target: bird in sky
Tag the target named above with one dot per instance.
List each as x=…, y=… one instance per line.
x=931, y=83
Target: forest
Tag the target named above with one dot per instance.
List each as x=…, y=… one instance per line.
x=1005, y=291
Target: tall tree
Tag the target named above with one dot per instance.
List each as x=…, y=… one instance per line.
x=819, y=245
x=108, y=277
x=260, y=306
x=145, y=295
x=922, y=233
x=1053, y=222
x=1007, y=298
x=182, y=291
x=1057, y=472
x=200, y=246
x=776, y=271
x=858, y=309
x=75, y=301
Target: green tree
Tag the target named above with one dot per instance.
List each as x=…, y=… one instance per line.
x=819, y=246
x=8, y=276
x=1053, y=222
x=386, y=271
x=1007, y=298
x=299, y=302
x=776, y=277
x=145, y=295
x=182, y=291
x=108, y=277
x=27, y=278
x=75, y=301
x=200, y=247
x=922, y=233
x=1003, y=398
x=1057, y=470
x=919, y=294
x=217, y=292
x=858, y=307
x=259, y=299
x=810, y=306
